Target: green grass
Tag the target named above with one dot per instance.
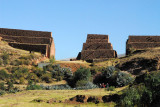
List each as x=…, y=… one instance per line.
x=25, y=98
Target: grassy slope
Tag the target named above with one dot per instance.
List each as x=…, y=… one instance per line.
x=23, y=99
x=147, y=54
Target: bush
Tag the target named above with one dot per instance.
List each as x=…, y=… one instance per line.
x=80, y=74
x=10, y=85
x=108, y=72
x=124, y=79
x=33, y=86
x=81, y=83
x=3, y=74
x=56, y=87
x=2, y=87
x=136, y=96
x=111, y=88
x=2, y=92
x=47, y=78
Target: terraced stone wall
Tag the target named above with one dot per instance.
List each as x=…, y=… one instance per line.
x=97, y=47
x=141, y=43
x=37, y=41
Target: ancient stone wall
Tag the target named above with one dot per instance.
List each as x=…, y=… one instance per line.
x=141, y=43
x=97, y=47
x=37, y=41
x=28, y=33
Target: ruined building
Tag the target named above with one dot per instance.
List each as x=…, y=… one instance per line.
x=37, y=41
x=141, y=42
x=97, y=48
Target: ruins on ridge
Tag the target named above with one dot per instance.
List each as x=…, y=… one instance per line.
x=97, y=48
x=36, y=41
x=141, y=43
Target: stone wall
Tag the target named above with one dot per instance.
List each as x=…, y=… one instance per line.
x=96, y=47
x=37, y=41
x=141, y=43
x=28, y=33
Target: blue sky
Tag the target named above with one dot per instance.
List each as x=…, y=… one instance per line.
x=71, y=20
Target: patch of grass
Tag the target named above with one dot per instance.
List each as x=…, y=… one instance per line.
x=23, y=99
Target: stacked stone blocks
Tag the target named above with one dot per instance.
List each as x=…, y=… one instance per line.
x=37, y=41
x=97, y=47
x=141, y=43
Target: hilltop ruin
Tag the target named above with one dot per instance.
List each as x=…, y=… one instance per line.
x=37, y=41
x=97, y=48
x=141, y=42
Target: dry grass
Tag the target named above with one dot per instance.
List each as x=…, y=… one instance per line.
x=24, y=99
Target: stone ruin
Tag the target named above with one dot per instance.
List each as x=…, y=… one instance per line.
x=97, y=48
x=36, y=41
x=141, y=42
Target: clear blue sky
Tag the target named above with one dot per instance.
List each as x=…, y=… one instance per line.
x=71, y=20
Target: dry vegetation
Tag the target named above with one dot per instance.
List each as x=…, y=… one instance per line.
x=25, y=98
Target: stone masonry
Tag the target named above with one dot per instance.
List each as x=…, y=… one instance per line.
x=141, y=43
x=97, y=47
x=37, y=41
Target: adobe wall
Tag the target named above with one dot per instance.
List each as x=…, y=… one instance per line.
x=28, y=33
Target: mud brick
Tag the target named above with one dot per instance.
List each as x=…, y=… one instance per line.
x=97, y=40
x=97, y=36
x=96, y=46
x=143, y=39
x=97, y=54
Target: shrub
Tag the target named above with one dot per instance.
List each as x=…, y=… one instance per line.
x=2, y=92
x=47, y=77
x=108, y=72
x=124, y=79
x=81, y=83
x=3, y=74
x=33, y=86
x=136, y=96
x=56, y=87
x=80, y=74
x=2, y=87
x=88, y=85
x=111, y=88
x=10, y=85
